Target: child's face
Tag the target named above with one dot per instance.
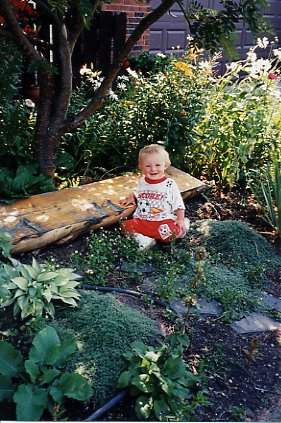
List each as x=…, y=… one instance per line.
x=153, y=166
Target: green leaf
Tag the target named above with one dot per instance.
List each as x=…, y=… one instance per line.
x=144, y=383
x=139, y=348
x=11, y=361
x=161, y=409
x=6, y=388
x=21, y=282
x=64, y=351
x=44, y=345
x=49, y=376
x=32, y=369
x=124, y=380
x=30, y=401
x=174, y=367
x=144, y=406
x=75, y=386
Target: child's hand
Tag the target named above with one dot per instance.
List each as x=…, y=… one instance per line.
x=183, y=229
x=129, y=201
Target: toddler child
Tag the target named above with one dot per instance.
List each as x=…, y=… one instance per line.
x=160, y=212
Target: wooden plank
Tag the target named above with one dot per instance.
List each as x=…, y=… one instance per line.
x=60, y=216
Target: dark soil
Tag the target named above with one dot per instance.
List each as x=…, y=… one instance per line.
x=242, y=372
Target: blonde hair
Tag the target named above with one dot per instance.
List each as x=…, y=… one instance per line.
x=155, y=148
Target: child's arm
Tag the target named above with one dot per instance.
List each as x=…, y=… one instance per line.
x=180, y=214
x=129, y=201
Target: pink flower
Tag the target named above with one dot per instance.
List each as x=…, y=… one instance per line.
x=272, y=76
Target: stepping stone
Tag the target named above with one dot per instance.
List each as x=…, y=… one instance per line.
x=128, y=267
x=255, y=322
x=272, y=302
x=204, y=308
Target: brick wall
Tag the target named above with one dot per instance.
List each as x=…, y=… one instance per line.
x=135, y=11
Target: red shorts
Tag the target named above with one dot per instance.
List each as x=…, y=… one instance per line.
x=165, y=230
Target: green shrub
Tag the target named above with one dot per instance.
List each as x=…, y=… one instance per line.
x=237, y=245
x=103, y=329
x=160, y=379
x=38, y=384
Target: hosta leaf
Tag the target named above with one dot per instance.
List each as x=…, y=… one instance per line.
x=30, y=401
x=31, y=271
x=47, y=294
x=174, y=367
x=47, y=276
x=21, y=282
x=11, y=361
x=69, y=301
x=6, y=388
x=144, y=383
x=36, y=265
x=75, y=386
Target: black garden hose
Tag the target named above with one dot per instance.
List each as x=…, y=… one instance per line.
x=120, y=395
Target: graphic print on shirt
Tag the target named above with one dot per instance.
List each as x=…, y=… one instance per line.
x=157, y=201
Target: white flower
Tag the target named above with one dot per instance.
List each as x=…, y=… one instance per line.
x=262, y=42
x=132, y=73
x=123, y=78
x=205, y=65
x=161, y=55
x=112, y=95
x=277, y=53
x=251, y=56
x=122, y=86
x=233, y=66
x=29, y=103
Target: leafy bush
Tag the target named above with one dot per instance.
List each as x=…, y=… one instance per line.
x=160, y=379
x=38, y=384
x=32, y=289
x=24, y=182
x=147, y=63
x=105, y=251
x=241, y=124
x=103, y=329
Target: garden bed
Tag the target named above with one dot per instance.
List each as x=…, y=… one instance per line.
x=241, y=373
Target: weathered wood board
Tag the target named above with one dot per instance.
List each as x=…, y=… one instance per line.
x=60, y=216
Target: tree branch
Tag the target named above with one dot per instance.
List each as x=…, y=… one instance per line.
x=144, y=24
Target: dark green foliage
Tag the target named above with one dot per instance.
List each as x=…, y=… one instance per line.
x=213, y=29
x=105, y=251
x=38, y=384
x=160, y=379
x=148, y=63
x=103, y=330
x=24, y=182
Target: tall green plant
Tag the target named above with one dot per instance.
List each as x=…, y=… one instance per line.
x=268, y=194
x=241, y=124
x=39, y=384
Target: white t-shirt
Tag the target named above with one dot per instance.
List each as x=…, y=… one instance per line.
x=157, y=201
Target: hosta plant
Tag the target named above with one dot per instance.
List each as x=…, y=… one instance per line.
x=32, y=288
x=39, y=385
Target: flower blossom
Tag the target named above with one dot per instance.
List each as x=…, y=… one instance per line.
x=183, y=67
x=29, y=103
x=277, y=53
x=262, y=42
x=272, y=76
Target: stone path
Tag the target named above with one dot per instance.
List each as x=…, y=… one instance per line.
x=253, y=323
